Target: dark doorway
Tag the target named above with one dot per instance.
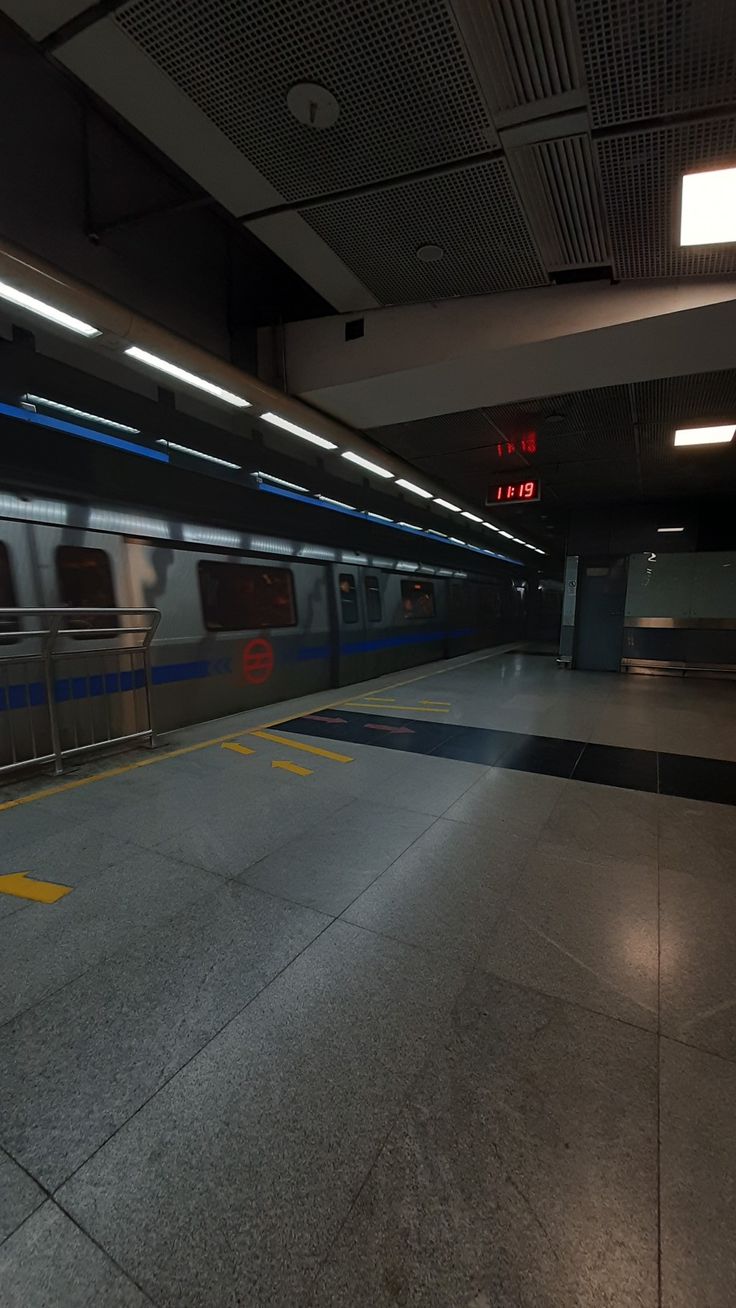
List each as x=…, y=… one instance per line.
x=599, y=628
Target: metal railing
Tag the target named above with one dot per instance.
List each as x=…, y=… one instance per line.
x=73, y=680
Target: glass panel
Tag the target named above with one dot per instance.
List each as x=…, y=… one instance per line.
x=417, y=598
x=85, y=582
x=373, y=599
x=238, y=596
x=7, y=596
x=348, y=597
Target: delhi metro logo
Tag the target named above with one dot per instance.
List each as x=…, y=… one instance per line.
x=257, y=661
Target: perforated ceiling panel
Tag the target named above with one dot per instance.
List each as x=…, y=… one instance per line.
x=640, y=175
x=473, y=215
x=406, y=91
x=649, y=58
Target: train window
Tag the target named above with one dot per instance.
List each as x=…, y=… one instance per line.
x=7, y=597
x=417, y=599
x=238, y=596
x=85, y=582
x=348, y=597
x=373, y=599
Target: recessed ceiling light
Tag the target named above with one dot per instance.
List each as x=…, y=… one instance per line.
x=705, y=435
x=366, y=463
x=415, y=490
x=29, y=302
x=663, y=529
x=411, y=525
x=491, y=527
x=507, y=534
x=80, y=413
x=379, y=517
x=455, y=540
x=198, y=454
x=190, y=378
x=430, y=253
x=473, y=516
x=445, y=504
x=432, y=532
x=276, y=421
x=708, y=214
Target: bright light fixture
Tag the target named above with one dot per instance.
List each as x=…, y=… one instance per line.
x=663, y=529
x=276, y=421
x=379, y=517
x=279, y=481
x=29, y=302
x=708, y=214
x=366, y=463
x=455, y=540
x=79, y=413
x=472, y=516
x=445, y=504
x=340, y=504
x=491, y=527
x=415, y=490
x=431, y=532
x=191, y=378
x=198, y=454
x=411, y=525
x=507, y=534
x=704, y=435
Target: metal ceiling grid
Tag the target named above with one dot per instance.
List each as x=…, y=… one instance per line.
x=407, y=94
x=524, y=51
x=640, y=175
x=650, y=58
x=473, y=215
x=684, y=401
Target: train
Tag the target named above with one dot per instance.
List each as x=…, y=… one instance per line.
x=246, y=619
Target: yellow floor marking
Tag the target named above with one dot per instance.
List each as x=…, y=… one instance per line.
x=297, y=744
x=21, y=886
x=437, y=702
x=400, y=708
x=230, y=735
x=375, y=698
x=237, y=749
x=291, y=767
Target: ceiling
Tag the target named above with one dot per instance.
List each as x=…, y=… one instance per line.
x=533, y=141
x=612, y=444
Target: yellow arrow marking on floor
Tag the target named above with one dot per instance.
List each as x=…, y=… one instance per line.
x=297, y=744
x=237, y=749
x=22, y=887
x=291, y=767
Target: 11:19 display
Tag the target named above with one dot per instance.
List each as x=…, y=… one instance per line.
x=514, y=491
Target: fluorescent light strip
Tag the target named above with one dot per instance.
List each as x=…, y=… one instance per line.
x=507, y=534
x=366, y=463
x=663, y=529
x=472, y=516
x=29, y=302
x=704, y=435
x=279, y=481
x=491, y=527
x=431, y=532
x=199, y=454
x=455, y=540
x=338, y=503
x=191, y=379
x=86, y=433
x=445, y=504
x=410, y=525
x=379, y=517
x=415, y=490
x=305, y=435
x=80, y=413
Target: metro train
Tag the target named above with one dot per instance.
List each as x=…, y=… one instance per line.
x=245, y=620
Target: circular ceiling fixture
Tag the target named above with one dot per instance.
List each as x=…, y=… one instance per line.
x=313, y=105
x=430, y=253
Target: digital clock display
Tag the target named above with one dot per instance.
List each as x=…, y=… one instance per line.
x=515, y=492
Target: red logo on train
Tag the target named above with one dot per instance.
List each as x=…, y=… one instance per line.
x=257, y=661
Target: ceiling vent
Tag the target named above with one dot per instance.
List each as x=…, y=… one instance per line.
x=525, y=53
x=558, y=185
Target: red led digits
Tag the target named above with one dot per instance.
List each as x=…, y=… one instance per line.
x=510, y=491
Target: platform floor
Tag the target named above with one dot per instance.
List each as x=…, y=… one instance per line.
x=395, y=1009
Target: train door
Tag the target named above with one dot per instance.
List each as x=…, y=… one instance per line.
x=354, y=655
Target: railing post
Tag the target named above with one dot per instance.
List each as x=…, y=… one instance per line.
x=48, y=668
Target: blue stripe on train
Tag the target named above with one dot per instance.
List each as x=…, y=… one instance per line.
x=32, y=694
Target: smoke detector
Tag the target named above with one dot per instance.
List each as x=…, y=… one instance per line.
x=313, y=105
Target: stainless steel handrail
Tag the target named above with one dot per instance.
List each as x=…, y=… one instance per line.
x=50, y=627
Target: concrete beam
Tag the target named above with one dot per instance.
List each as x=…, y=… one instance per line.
x=426, y=359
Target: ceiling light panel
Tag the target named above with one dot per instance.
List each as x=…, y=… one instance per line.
x=302, y=432
x=705, y=435
x=708, y=214
x=366, y=463
x=415, y=490
x=665, y=529
x=47, y=311
x=58, y=407
x=445, y=504
x=199, y=454
x=473, y=517
x=189, y=378
x=279, y=481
